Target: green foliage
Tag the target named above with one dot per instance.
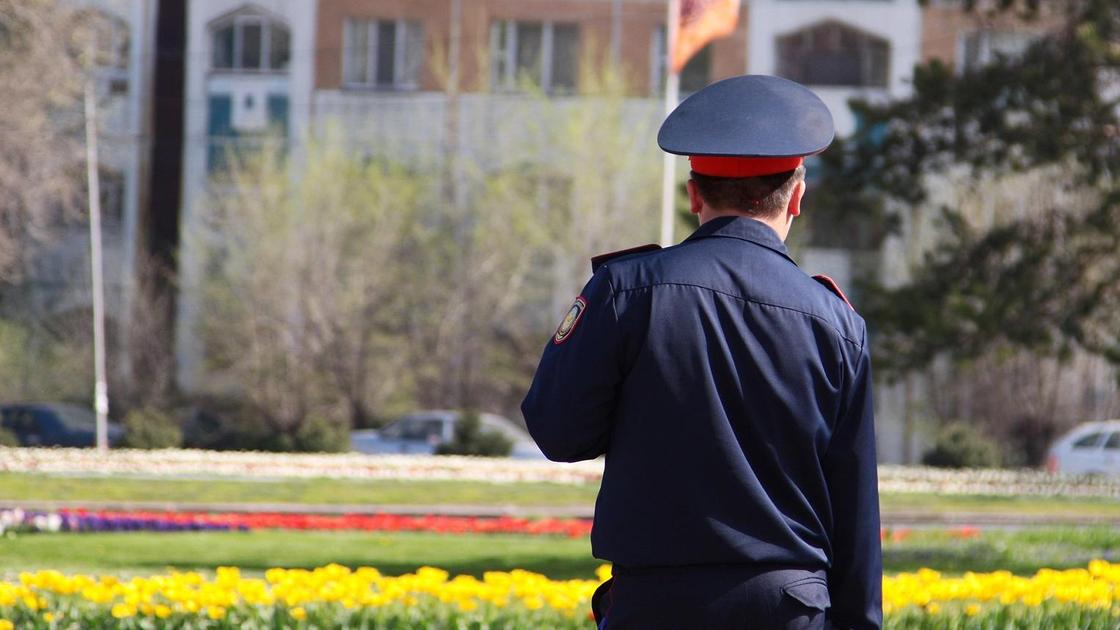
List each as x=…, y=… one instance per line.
x=375, y=283
x=244, y=428
x=151, y=428
x=304, y=293
x=322, y=435
x=1044, y=283
x=7, y=438
x=472, y=439
x=45, y=360
x=959, y=445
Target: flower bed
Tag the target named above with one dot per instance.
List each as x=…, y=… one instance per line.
x=105, y=520
x=915, y=479
x=335, y=596
x=331, y=596
x=211, y=464
x=1075, y=598
x=251, y=465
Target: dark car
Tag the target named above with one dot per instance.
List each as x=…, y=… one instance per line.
x=422, y=432
x=54, y=424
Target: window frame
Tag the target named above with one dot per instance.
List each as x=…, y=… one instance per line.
x=989, y=44
x=658, y=59
x=803, y=39
x=659, y=66
x=401, y=82
x=504, y=76
x=238, y=23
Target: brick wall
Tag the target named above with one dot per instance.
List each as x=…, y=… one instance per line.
x=640, y=20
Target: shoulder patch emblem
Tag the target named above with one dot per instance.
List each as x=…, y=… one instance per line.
x=831, y=285
x=570, y=320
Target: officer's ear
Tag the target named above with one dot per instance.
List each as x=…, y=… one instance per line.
x=695, y=201
x=793, y=208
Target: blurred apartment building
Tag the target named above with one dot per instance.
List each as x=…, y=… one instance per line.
x=57, y=278
x=417, y=79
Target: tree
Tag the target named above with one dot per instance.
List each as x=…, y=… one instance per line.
x=501, y=267
x=1045, y=284
x=305, y=282
x=47, y=50
x=471, y=438
x=351, y=285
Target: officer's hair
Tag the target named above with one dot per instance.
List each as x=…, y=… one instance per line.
x=764, y=197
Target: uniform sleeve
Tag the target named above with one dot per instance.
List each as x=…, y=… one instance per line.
x=856, y=577
x=570, y=403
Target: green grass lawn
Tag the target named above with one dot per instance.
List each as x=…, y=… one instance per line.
x=1020, y=551
x=391, y=553
x=1100, y=507
x=15, y=487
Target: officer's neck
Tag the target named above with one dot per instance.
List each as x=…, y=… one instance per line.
x=779, y=224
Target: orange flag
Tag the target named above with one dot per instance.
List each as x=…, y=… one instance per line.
x=701, y=22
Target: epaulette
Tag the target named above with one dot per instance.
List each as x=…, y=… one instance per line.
x=598, y=261
x=831, y=285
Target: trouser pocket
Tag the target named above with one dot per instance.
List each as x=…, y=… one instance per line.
x=811, y=592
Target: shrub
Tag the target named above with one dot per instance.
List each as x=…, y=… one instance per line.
x=321, y=435
x=151, y=428
x=7, y=438
x=471, y=439
x=959, y=445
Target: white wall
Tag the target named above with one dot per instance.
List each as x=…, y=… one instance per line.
x=299, y=16
x=897, y=21
x=63, y=266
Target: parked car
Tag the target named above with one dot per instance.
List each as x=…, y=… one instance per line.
x=422, y=432
x=54, y=424
x=1090, y=448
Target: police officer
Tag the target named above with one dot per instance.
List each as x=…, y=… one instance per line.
x=729, y=391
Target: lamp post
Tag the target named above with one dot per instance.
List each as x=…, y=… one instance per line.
x=100, y=386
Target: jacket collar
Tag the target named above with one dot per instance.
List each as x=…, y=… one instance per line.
x=742, y=228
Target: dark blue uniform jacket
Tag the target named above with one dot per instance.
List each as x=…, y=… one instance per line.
x=731, y=394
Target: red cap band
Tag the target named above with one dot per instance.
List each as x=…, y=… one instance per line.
x=721, y=166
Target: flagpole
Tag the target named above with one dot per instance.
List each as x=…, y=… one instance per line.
x=672, y=97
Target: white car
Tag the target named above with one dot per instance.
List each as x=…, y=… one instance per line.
x=1090, y=448
x=420, y=433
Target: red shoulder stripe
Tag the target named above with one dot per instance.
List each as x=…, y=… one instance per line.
x=831, y=285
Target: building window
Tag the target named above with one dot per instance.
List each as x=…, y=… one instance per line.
x=251, y=43
x=834, y=54
x=695, y=76
x=241, y=125
x=112, y=188
x=382, y=53
x=543, y=54
x=980, y=48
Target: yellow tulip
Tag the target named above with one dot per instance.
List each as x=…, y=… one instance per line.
x=122, y=611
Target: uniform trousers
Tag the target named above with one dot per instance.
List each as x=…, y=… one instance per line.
x=715, y=598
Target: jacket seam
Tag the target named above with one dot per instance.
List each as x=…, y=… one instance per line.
x=614, y=298
x=772, y=248
x=839, y=332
